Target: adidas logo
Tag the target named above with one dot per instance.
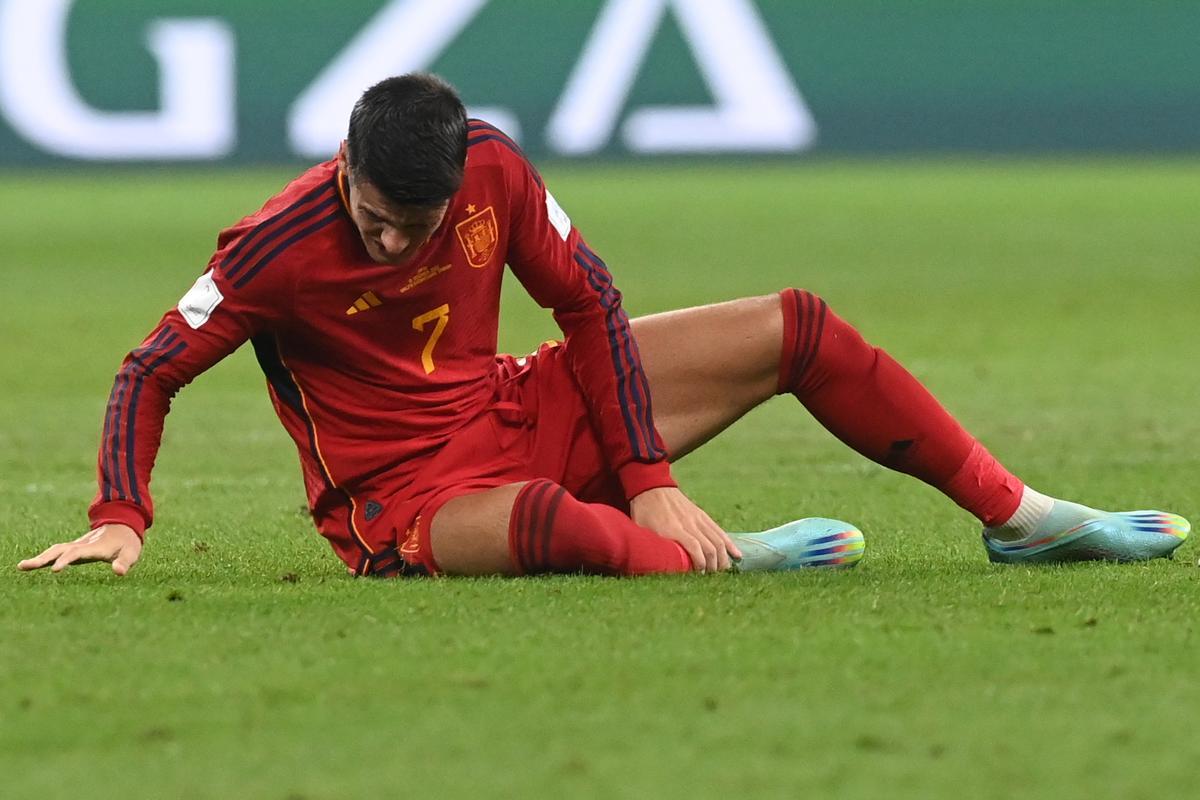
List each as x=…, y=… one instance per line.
x=367, y=300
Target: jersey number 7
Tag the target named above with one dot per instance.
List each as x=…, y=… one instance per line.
x=439, y=315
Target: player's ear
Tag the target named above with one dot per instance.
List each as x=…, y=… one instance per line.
x=343, y=158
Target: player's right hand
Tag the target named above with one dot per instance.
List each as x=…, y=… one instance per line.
x=670, y=513
x=116, y=544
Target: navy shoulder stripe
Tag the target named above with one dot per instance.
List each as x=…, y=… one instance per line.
x=474, y=125
x=267, y=230
x=329, y=217
x=479, y=132
x=286, y=228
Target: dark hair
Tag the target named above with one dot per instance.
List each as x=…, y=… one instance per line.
x=408, y=137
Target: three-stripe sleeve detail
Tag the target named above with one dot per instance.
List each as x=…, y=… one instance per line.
x=479, y=131
x=258, y=248
x=120, y=481
x=633, y=392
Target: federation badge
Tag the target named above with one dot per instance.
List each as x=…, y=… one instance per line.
x=412, y=538
x=479, y=234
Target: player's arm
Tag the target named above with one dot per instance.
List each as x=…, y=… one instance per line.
x=212, y=320
x=560, y=271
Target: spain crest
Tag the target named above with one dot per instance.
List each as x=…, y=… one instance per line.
x=479, y=234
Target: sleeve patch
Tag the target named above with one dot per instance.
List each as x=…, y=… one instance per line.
x=200, y=301
x=558, y=217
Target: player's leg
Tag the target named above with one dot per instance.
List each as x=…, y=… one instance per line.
x=708, y=366
x=536, y=527
x=469, y=534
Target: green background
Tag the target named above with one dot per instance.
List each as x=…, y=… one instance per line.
x=879, y=77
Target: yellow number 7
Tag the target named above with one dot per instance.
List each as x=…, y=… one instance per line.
x=442, y=315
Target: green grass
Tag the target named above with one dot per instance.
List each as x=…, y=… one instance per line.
x=1050, y=305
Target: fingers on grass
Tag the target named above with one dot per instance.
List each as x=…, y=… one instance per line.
x=81, y=554
x=66, y=558
x=124, y=562
x=43, y=558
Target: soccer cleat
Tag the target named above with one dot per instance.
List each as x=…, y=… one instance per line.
x=1071, y=532
x=812, y=542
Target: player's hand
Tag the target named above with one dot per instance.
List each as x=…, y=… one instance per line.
x=116, y=544
x=668, y=512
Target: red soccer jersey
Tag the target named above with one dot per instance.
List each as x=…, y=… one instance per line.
x=372, y=367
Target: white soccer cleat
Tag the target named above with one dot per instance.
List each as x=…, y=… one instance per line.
x=812, y=542
x=1071, y=532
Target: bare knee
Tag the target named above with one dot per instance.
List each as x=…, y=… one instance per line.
x=745, y=338
x=469, y=534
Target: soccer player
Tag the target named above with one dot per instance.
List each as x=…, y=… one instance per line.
x=370, y=288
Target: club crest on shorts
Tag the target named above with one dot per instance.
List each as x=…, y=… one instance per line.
x=479, y=234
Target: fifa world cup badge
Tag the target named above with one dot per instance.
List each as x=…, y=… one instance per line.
x=479, y=234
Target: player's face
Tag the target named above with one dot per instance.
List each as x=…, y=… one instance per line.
x=391, y=234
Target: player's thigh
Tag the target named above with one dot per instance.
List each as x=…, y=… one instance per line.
x=709, y=365
x=469, y=533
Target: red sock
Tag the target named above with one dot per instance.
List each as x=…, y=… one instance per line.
x=551, y=531
x=874, y=405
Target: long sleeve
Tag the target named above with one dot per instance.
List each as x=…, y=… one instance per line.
x=220, y=312
x=560, y=271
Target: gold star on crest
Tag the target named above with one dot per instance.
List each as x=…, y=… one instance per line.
x=471, y=208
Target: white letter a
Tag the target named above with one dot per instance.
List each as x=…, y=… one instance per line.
x=757, y=106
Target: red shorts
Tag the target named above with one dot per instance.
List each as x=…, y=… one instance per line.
x=537, y=427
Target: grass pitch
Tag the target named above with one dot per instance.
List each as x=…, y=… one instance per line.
x=1051, y=306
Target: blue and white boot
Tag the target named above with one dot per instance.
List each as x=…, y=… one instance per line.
x=812, y=542
x=1073, y=532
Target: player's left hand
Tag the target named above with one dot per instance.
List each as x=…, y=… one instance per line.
x=668, y=512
